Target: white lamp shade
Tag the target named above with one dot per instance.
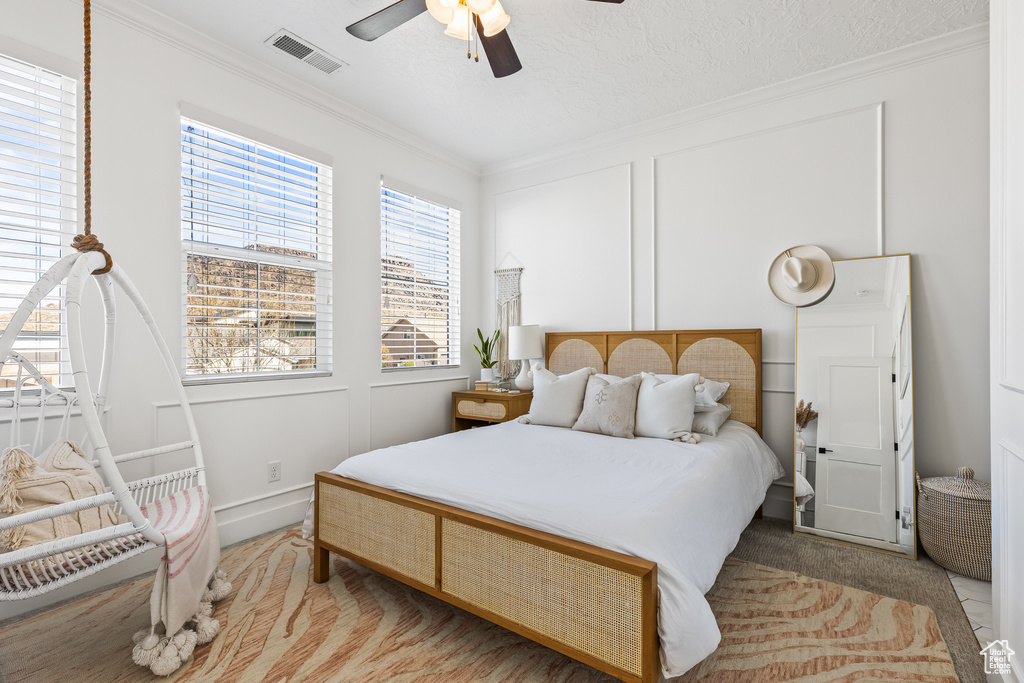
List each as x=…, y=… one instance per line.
x=459, y=25
x=442, y=10
x=524, y=342
x=480, y=6
x=494, y=20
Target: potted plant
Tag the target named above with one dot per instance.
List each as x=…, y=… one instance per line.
x=486, y=353
x=804, y=416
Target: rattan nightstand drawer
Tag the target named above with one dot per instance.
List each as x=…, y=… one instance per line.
x=485, y=410
x=479, y=408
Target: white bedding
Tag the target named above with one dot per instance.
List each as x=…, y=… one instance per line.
x=680, y=505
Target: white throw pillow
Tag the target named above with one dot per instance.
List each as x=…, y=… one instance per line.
x=710, y=421
x=557, y=399
x=609, y=407
x=709, y=392
x=664, y=409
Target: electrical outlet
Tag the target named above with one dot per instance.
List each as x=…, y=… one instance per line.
x=274, y=471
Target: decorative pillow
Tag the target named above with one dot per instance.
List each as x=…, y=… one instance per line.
x=557, y=399
x=664, y=409
x=710, y=421
x=609, y=407
x=709, y=393
x=64, y=475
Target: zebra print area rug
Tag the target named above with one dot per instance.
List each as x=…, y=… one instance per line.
x=277, y=625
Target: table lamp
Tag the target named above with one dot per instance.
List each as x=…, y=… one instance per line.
x=524, y=343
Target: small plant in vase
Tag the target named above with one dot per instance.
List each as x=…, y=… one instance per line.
x=804, y=416
x=486, y=353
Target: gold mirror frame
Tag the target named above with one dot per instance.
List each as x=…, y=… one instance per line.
x=903, y=371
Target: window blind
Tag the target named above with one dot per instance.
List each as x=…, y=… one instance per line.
x=256, y=236
x=38, y=205
x=420, y=285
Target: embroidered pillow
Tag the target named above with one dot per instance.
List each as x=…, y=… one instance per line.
x=664, y=409
x=609, y=407
x=64, y=475
x=710, y=421
x=557, y=399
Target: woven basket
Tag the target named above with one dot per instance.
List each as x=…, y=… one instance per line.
x=955, y=522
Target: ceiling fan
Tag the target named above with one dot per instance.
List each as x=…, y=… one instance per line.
x=486, y=16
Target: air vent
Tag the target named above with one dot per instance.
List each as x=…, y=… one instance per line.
x=300, y=49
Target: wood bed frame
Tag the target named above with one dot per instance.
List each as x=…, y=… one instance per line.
x=594, y=605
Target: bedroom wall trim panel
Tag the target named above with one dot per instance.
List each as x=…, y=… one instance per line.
x=940, y=47
x=410, y=410
x=1009, y=621
x=154, y=25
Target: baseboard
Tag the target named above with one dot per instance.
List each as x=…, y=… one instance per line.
x=235, y=523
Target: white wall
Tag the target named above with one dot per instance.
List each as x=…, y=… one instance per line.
x=140, y=79
x=887, y=155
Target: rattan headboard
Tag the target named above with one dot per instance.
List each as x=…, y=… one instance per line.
x=732, y=356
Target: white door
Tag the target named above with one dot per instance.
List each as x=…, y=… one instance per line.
x=856, y=468
x=1007, y=357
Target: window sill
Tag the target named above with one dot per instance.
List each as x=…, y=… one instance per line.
x=195, y=380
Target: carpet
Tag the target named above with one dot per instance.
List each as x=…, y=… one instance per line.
x=277, y=625
x=772, y=543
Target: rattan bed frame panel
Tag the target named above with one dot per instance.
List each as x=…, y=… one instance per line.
x=578, y=599
x=594, y=605
x=380, y=531
x=590, y=607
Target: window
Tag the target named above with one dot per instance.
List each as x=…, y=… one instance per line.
x=38, y=205
x=256, y=237
x=419, y=274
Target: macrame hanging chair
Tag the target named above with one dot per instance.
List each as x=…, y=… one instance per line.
x=72, y=530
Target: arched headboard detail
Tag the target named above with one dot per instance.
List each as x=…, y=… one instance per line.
x=732, y=356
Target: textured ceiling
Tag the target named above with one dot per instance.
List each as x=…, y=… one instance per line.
x=589, y=67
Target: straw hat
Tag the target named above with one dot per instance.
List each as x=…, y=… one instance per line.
x=802, y=276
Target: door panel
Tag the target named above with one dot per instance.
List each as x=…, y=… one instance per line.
x=856, y=473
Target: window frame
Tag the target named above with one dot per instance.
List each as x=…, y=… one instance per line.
x=452, y=283
x=51, y=73
x=320, y=237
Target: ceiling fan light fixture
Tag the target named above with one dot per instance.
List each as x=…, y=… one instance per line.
x=442, y=10
x=494, y=20
x=481, y=6
x=458, y=27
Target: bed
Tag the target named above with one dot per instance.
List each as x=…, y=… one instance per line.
x=542, y=531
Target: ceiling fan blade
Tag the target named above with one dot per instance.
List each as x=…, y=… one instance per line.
x=500, y=54
x=393, y=16
x=617, y=2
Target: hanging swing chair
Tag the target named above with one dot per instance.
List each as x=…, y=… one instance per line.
x=61, y=518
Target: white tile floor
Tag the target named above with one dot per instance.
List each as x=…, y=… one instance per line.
x=976, y=599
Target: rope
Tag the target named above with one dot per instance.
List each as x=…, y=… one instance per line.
x=88, y=241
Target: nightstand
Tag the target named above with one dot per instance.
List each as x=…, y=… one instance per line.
x=481, y=408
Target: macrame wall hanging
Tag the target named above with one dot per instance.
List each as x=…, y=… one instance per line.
x=509, y=297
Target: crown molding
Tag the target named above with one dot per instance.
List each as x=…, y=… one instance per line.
x=158, y=26
x=941, y=47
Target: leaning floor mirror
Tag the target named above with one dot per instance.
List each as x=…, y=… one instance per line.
x=854, y=462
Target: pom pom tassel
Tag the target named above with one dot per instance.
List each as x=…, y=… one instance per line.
x=15, y=465
x=147, y=647
x=175, y=652
x=219, y=587
x=206, y=629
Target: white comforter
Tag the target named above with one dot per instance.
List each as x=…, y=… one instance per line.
x=680, y=505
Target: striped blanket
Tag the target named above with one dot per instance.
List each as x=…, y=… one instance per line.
x=187, y=581
x=190, y=557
